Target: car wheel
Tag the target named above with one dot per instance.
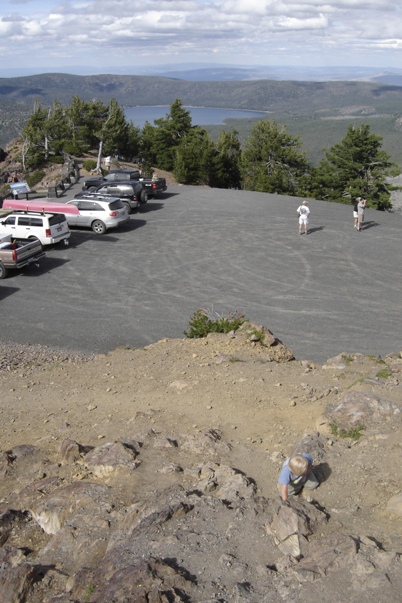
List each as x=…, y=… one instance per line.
x=91, y=189
x=128, y=207
x=3, y=271
x=98, y=227
x=144, y=196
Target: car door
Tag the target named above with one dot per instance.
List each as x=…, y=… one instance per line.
x=72, y=219
x=85, y=218
x=8, y=226
x=23, y=227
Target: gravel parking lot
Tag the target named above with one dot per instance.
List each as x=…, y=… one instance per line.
x=334, y=290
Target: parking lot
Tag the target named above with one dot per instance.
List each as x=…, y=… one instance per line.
x=334, y=290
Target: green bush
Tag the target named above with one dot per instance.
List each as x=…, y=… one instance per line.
x=56, y=159
x=33, y=179
x=203, y=322
x=354, y=432
x=384, y=374
x=89, y=164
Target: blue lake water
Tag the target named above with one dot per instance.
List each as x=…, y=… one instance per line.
x=200, y=116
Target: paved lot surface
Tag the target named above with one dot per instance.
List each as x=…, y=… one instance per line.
x=334, y=290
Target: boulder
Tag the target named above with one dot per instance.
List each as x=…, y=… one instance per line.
x=291, y=525
x=51, y=512
x=355, y=407
x=111, y=458
x=16, y=575
x=324, y=554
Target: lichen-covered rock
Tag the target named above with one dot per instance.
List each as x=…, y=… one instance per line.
x=111, y=458
x=51, y=512
x=357, y=407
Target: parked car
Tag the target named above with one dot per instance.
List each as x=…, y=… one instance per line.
x=131, y=202
x=98, y=214
x=112, y=176
x=127, y=190
x=153, y=186
x=145, y=187
x=48, y=228
x=17, y=253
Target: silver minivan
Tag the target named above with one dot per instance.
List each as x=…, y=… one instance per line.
x=48, y=228
x=98, y=214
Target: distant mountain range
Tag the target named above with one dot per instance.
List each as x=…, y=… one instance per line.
x=205, y=72
x=259, y=94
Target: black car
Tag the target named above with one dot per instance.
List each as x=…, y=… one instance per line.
x=114, y=175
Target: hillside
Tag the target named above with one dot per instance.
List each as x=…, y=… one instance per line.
x=150, y=475
x=306, y=97
x=318, y=111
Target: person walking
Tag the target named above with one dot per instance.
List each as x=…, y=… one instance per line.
x=360, y=213
x=304, y=211
x=355, y=213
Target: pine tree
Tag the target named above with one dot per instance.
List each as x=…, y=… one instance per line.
x=169, y=133
x=227, y=161
x=35, y=136
x=194, y=160
x=272, y=161
x=357, y=166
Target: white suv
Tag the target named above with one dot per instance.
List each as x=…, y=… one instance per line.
x=48, y=228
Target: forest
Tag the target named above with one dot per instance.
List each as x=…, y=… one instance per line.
x=269, y=160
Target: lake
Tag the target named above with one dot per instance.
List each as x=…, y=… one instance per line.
x=200, y=116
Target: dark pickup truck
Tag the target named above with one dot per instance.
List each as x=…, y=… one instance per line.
x=153, y=186
x=17, y=253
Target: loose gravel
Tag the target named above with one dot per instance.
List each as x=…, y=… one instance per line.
x=15, y=356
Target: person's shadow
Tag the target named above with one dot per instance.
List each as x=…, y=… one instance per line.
x=316, y=229
x=322, y=471
x=368, y=225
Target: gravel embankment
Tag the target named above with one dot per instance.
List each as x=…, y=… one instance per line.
x=15, y=356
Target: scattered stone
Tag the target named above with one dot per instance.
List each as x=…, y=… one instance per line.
x=394, y=505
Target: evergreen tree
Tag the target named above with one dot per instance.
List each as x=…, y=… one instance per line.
x=227, y=161
x=114, y=132
x=194, y=161
x=355, y=167
x=79, y=127
x=169, y=133
x=57, y=128
x=132, y=150
x=147, y=155
x=272, y=161
x=35, y=136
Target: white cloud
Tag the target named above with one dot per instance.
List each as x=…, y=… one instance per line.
x=254, y=31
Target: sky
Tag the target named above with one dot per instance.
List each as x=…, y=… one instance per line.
x=127, y=36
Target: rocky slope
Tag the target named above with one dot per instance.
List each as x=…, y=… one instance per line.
x=150, y=475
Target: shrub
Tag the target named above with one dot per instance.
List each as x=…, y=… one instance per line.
x=56, y=159
x=203, y=322
x=384, y=373
x=89, y=164
x=33, y=179
x=354, y=432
